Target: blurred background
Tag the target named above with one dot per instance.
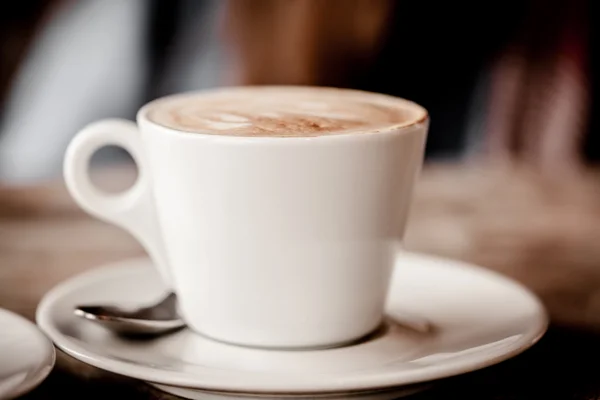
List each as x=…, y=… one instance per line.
x=510, y=183
x=502, y=80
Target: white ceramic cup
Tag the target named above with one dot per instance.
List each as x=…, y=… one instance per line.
x=280, y=242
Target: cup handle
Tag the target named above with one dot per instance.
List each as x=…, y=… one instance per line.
x=133, y=209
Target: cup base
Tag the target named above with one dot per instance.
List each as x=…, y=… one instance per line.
x=377, y=331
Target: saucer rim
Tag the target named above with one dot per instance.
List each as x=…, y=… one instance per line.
x=42, y=370
x=383, y=380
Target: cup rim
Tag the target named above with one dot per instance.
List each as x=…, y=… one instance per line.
x=421, y=116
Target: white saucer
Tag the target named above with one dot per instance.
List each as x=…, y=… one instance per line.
x=26, y=355
x=479, y=317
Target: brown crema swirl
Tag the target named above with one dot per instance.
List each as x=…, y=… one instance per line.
x=282, y=111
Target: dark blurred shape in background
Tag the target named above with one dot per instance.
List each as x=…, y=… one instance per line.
x=511, y=77
x=508, y=80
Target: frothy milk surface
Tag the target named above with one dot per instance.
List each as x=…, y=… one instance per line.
x=282, y=111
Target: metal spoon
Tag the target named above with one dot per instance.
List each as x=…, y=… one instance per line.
x=152, y=320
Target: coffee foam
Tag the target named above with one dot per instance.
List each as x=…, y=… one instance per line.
x=282, y=111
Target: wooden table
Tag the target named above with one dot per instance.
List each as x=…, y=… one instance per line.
x=542, y=231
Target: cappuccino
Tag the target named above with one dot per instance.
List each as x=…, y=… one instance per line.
x=283, y=111
x=276, y=192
